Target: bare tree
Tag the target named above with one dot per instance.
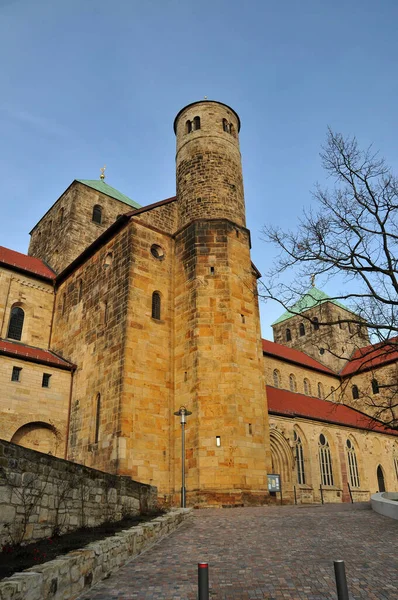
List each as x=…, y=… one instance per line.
x=351, y=233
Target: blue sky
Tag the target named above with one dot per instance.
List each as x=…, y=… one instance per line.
x=94, y=82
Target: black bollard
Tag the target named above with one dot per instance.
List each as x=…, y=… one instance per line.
x=341, y=580
x=203, y=581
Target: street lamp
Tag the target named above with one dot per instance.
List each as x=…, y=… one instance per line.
x=183, y=413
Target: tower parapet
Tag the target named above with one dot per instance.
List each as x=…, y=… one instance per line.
x=208, y=163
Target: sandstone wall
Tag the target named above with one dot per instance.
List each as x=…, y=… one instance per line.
x=62, y=494
x=371, y=449
x=218, y=365
x=162, y=217
x=32, y=415
x=35, y=297
x=147, y=397
x=286, y=369
x=331, y=344
x=67, y=228
x=90, y=328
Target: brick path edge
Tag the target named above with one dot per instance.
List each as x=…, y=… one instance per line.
x=66, y=577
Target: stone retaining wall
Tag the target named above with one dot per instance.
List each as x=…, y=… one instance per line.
x=66, y=577
x=41, y=494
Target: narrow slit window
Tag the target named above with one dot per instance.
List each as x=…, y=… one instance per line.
x=315, y=323
x=301, y=329
x=355, y=392
x=97, y=418
x=375, y=386
x=156, y=306
x=97, y=214
x=16, y=373
x=15, y=326
x=46, y=380
x=188, y=126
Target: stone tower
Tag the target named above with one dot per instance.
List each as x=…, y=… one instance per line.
x=218, y=370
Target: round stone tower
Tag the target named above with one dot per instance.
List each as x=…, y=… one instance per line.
x=208, y=163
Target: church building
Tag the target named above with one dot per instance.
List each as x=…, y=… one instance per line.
x=121, y=314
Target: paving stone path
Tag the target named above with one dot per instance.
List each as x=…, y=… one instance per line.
x=277, y=553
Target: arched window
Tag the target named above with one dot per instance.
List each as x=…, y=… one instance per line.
x=307, y=387
x=97, y=214
x=97, y=418
x=188, y=126
x=321, y=393
x=315, y=323
x=292, y=383
x=299, y=455
x=108, y=260
x=196, y=123
x=277, y=378
x=156, y=306
x=355, y=392
x=352, y=464
x=380, y=479
x=375, y=386
x=325, y=461
x=301, y=329
x=225, y=125
x=333, y=394
x=15, y=326
x=288, y=335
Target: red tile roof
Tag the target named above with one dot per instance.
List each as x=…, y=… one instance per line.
x=294, y=356
x=33, y=354
x=283, y=402
x=372, y=356
x=22, y=262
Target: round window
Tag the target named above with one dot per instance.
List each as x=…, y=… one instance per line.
x=157, y=251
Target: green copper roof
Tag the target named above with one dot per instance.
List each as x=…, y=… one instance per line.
x=313, y=297
x=101, y=186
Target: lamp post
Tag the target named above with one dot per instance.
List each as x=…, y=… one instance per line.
x=183, y=413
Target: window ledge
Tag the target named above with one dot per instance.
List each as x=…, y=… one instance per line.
x=159, y=321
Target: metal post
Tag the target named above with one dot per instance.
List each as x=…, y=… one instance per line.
x=203, y=581
x=341, y=580
x=183, y=413
x=280, y=482
x=295, y=496
x=349, y=489
x=183, y=490
x=320, y=487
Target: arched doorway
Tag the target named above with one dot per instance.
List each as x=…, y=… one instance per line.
x=282, y=458
x=380, y=479
x=38, y=436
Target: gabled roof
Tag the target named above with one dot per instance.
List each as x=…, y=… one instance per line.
x=372, y=356
x=289, y=404
x=294, y=356
x=104, y=188
x=33, y=354
x=313, y=297
x=27, y=264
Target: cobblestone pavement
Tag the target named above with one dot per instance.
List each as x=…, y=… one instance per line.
x=272, y=552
